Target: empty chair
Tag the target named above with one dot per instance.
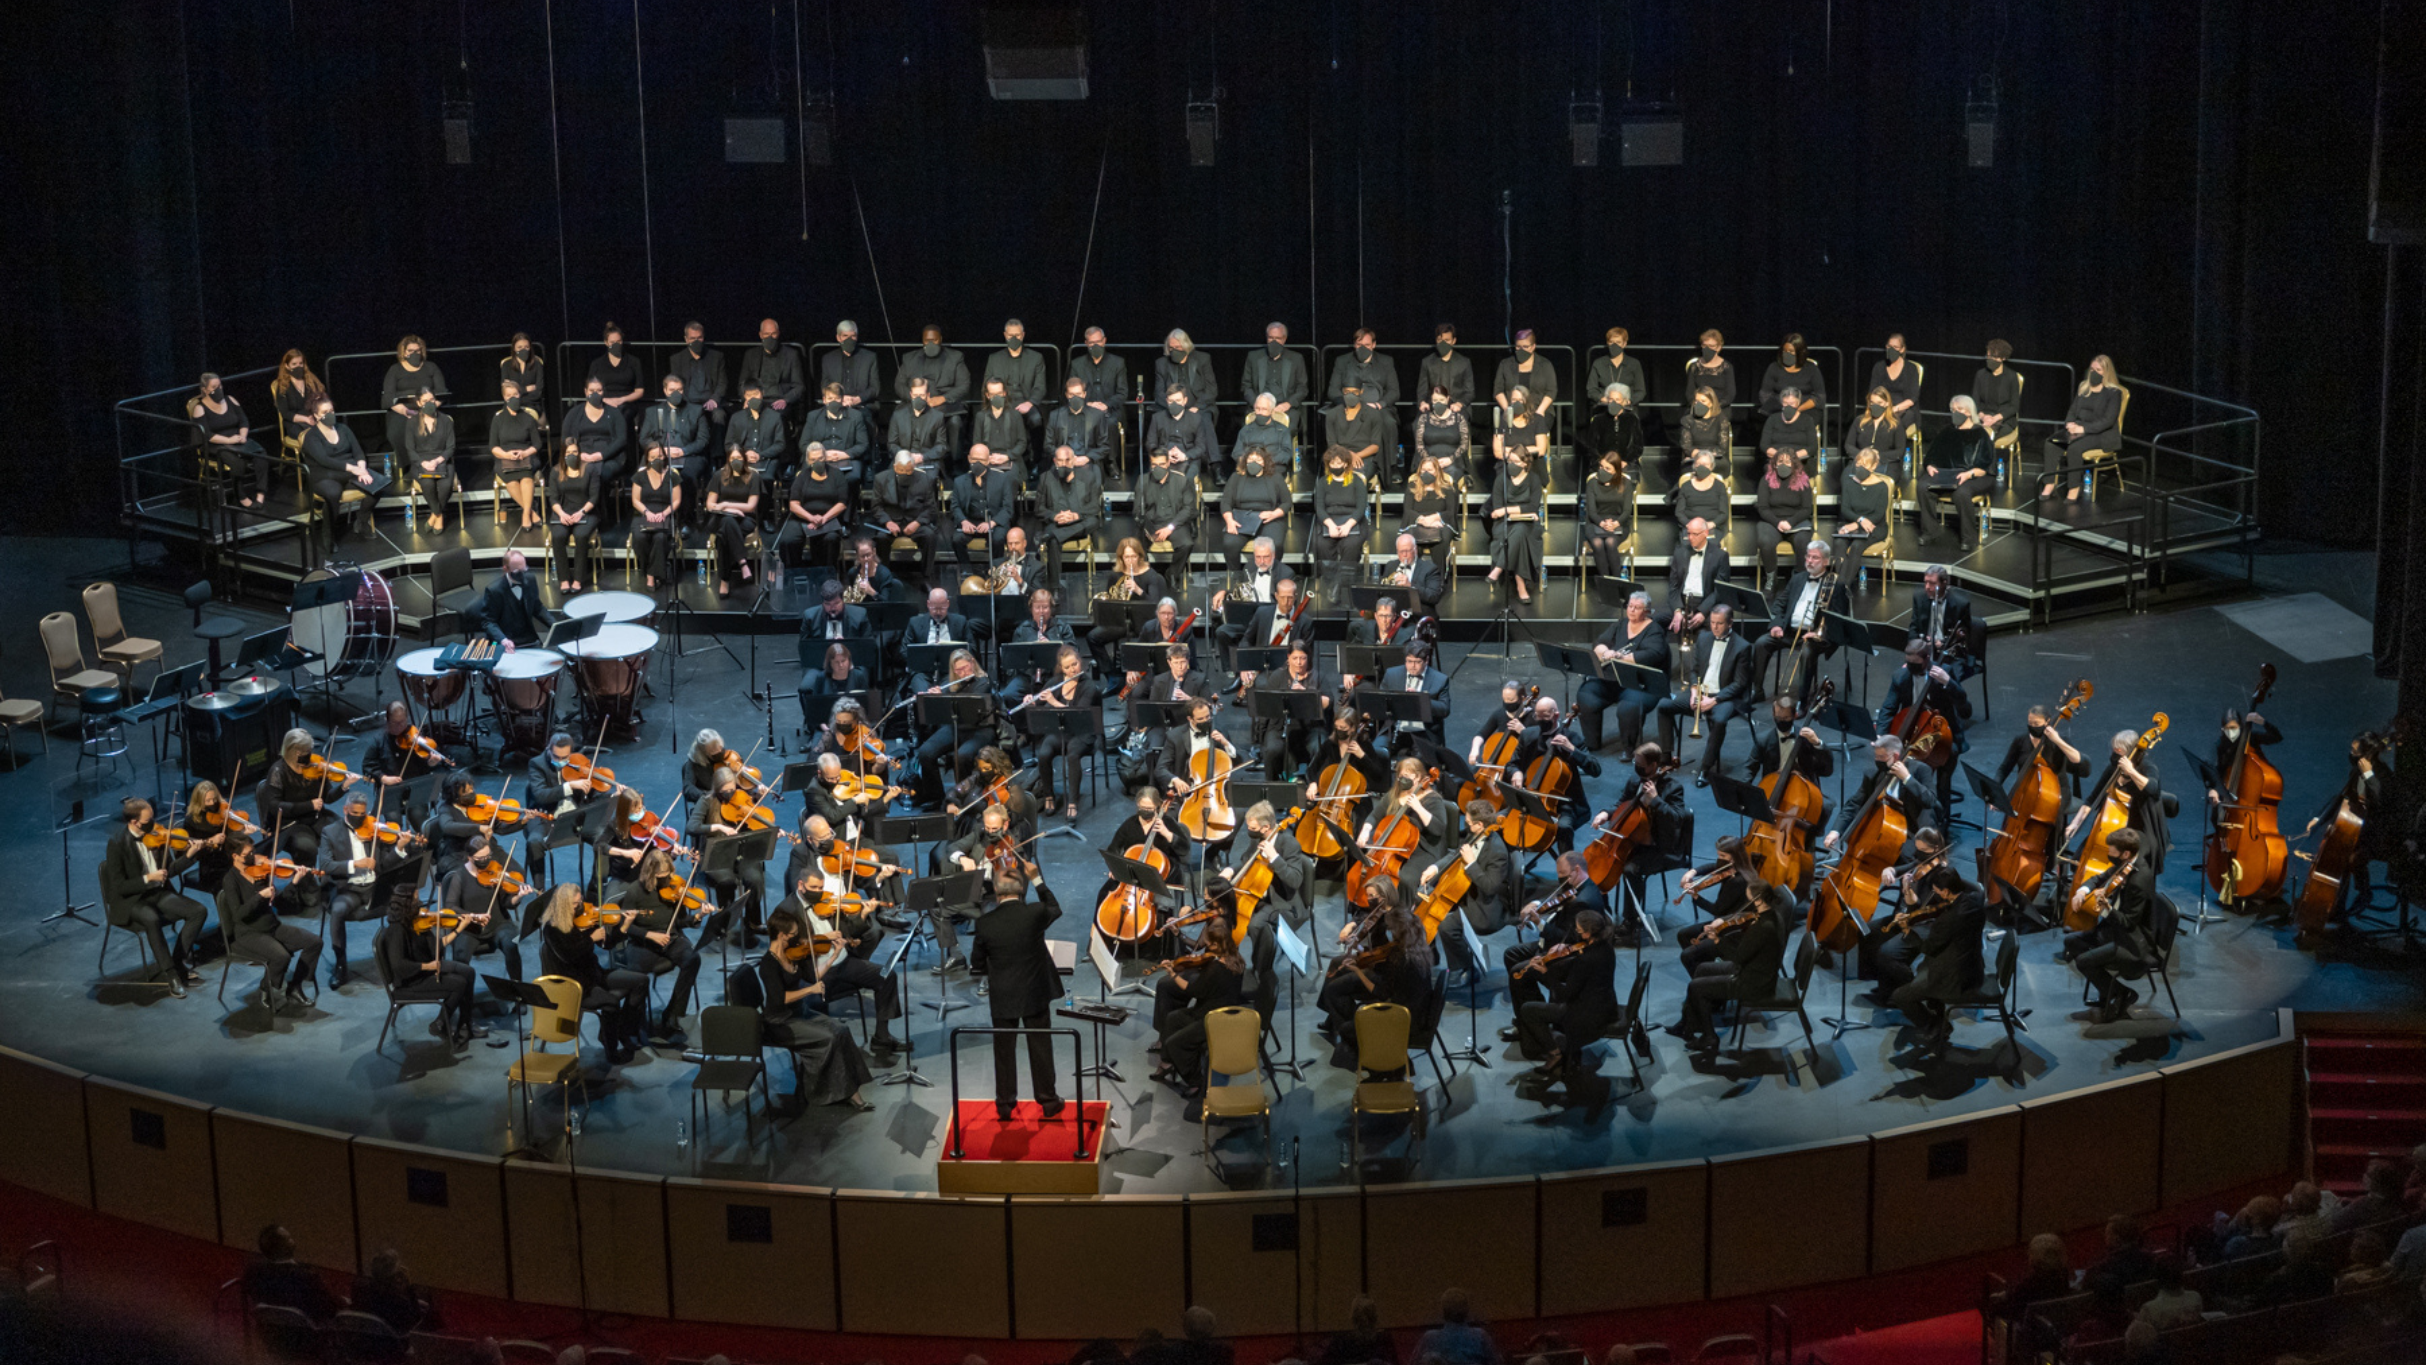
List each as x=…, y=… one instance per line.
x=119, y=651
x=1381, y=1052
x=1232, y=1038
x=21, y=711
x=451, y=590
x=560, y=1022
x=70, y=677
x=731, y=1057
x=1788, y=1000
x=366, y=1339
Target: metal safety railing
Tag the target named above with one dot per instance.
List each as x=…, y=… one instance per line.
x=1948, y=379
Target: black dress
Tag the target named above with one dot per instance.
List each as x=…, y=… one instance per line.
x=1441, y=541
x=516, y=428
x=731, y=532
x=575, y=544
x=404, y=385
x=1443, y=436
x=655, y=546
x=1608, y=499
x=1516, y=546
x=1858, y=501
x=422, y=448
x=246, y=457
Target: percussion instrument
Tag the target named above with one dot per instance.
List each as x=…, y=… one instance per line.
x=355, y=638
x=523, y=689
x=614, y=608
x=433, y=689
x=609, y=669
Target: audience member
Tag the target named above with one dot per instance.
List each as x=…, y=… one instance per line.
x=275, y=1277
x=2142, y=1346
x=2107, y=1317
x=2172, y=1306
x=1458, y=1341
x=2308, y=1207
x=2382, y=1199
x=2049, y=1277
x=2369, y=1265
x=387, y=1292
x=2126, y=1261
x=1619, y=1354
x=2409, y=1254
x=2413, y=1189
x=2304, y=1274
x=1199, y=1343
x=1363, y=1340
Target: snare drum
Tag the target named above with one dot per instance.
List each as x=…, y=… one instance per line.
x=608, y=670
x=523, y=689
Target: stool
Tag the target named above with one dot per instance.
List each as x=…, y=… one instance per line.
x=211, y=630
x=104, y=737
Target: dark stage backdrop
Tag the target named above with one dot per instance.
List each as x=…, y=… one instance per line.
x=2181, y=183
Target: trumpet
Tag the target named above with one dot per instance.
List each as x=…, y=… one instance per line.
x=1694, y=694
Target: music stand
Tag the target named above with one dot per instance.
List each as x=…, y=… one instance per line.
x=817, y=709
x=1274, y=705
x=1107, y=970
x=1472, y=1051
x=568, y=630
x=1238, y=611
x=929, y=661
x=1370, y=661
x=955, y=710
x=925, y=895
x=1570, y=661
x=1258, y=659
x=1150, y=656
x=1242, y=794
x=1036, y=660
x=1156, y=715
x=1749, y=608
x=1741, y=799
x=1399, y=709
x=1455, y=772
x=1364, y=596
x=570, y=830
x=1299, y=954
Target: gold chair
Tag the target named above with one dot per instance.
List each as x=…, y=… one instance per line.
x=1232, y=1036
x=21, y=712
x=2110, y=462
x=1381, y=1049
x=1883, y=549
x=120, y=652
x=560, y=1022
x=70, y=678
x=2010, y=439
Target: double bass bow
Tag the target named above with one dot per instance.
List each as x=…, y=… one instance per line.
x=2247, y=855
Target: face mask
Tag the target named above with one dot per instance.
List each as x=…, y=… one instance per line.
x=931, y=349
x=1876, y=408
x=849, y=344
x=2232, y=732
x=998, y=401
x=522, y=353
x=593, y=398
x=1014, y=343
x=1176, y=408
x=1525, y=351
x=427, y=404
x=2096, y=379
x=2037, y=730
x=1253, y=468
x=834, y=408
x=1078, y=401
x=1615, y=350
x=1701, y=409
x=698, y=345
x=1708, y=354
x=513, y=405
x=918, y=405
x=1095, y=350
x=1274, y=348
x=614, y=348
x=1444, y=348
x=1895, y=353
x=753, y=404
x=1364, y=353
x=657, y=462
x=674, y=397
x=413, y=355
x=767, y=344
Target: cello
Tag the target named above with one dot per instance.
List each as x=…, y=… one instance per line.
x=1205, y=812
x=1126, y=913
x=1394, y=841
x=1498, y=751
x=1552, y=779
x=1781, y=849
x=1848, y=895
x=2329, y=866
x=2113, y=813
x=1252, y=882
x=2247, y=855
x=1453, y=883
x=1324, y=830
x=2018, y=856
x=1626, y=827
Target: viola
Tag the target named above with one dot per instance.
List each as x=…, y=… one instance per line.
x=1848, y=895
x=1541, y=961
x=2018, y=856
x=1498, y=751
x=1627, y=827
x=851, y=787
x=581, y=767
x=259, y=868
x=745, y=812
x=2113, y=813
x=170, y=837
x=2247, y=855
x=1551, y=778
x=414, y=742
x=2321, y=890
x=373, y=830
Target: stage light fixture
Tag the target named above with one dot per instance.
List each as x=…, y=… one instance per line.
x=1979, y=132
x=1035, y=53
x=1204, y=132
x=1583, y=131
x=1651, y=135
x=817, y=129
x=455, y=122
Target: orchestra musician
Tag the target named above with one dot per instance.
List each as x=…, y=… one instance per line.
x=1942, y=614
x=1552, y=919
x=1698, y=564
x=1131, y=578
x=1901, y=784
x=293, y=807
x=1179, y=681
x=1795, y=614
x=1148, y=823
x=1261, y=836
x=939, y=625
x=1073, y=693
x=1184, y=742
x=391, y=760
x=1423, y=577
x=837, y=676
x=360, y=874
x=1780, y=742
x=142, y=883
x=1655, y=789
x=1342, y=500
x=2126, y=936
x=2262, y=734
x=826, y=1062
x=1043, y=627
x=1547, y=731
x=1923, y=681
x=205, y=825
x=995, y=782
x=1346, y=744
x=1277, y=624
x=1386, y=626
x=1508, y=715
x=491, y=919
x=1719, y=689
x=1487, y=904
x=1257, y=581
x=1414, y=793
x=1581, y=1003
x=1186, y=994
x=410, y=958
x=2144, y=795
x=848, y=939
x=1946, y=943
x=510, y=611
x=852, y=742
x=2039, y=739
x=654, y=935
x=1287, y=742
x=749, y=875
x=832, y=619
x=1785, y=508
x=1636, y=638
x=992, y=850
x=1608, y=512
x=1748, y=961
x=1729, y=877
x=701, y=763
x=867, y=579
x=1415, y=673
x=1402, y=976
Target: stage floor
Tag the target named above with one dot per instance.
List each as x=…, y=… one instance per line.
x=318, y=1066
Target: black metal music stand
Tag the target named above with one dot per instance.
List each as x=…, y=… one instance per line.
x=1258, y=659
x=925, y=898
x=929, y=661
x=533, y=997
x=1152, y=657
x=1036, y=660
x=1567, y=661
x=1369, y=662
x=956, y=710
x=1287, y=707
x=1472, y=1051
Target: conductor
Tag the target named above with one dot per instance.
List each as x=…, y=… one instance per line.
x=1021, y=983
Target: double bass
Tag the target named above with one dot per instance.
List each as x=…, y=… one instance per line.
x=1498, y=751
x=2329, y=866
x=2018, y=856
x=2247, y=855
x=1781, y=849
x=1551, y=778
x=1848, y=895
x=2113, y=813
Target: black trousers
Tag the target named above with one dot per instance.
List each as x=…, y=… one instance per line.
x=1040, y=1059
x=1967, y=512
x=1806, y=677
x=799, y=543
x=155, y=911
x=351, y=904
x=1073, y=752
x=1712, y=982
x=1057, y=540
x=1336, y=554
x=436, y=489
x=248, y=462
x=927, y=541
x=1538, y=1032
x=654, y=547
x=1891, y=963
x=1286, y=747
x=682, y=954
x=619, y=1002
x=575, y=545
x=1767, y=538
x=2103, y=956
x=1183, y=550
x=1675, y=712
x=282, y=948
x=862, y=974
x=1598, y=695
x=2067, y=457
x=732, y=553
x=500, y=938
x=457, y=981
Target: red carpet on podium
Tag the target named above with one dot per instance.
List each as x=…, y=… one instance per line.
x=1027, y=1135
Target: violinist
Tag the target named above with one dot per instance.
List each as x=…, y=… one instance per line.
x=293, y=805
x=141, y=879
x=1073, y=694
x=1401, y=976
x=491, y=915
x=1489, y=885
x=1636, y=638
x=206, y=820
x=654, y=935
x=826, y=799
x=1189, y=992
x=826, y=1060
x=547, y=793
x=2143, y=794
x=995, y=782
x=1656, y=789
x=1925, y=682
x=1947, y=919
x=248, y=919
x=410, y=958
x=620, y=848
x=1746, y=966
x=852, y=742
x=1729, y=877
x=450, y=827
x=700, y=766
x=994, y=850
x=843, y=945
x=1902, y=786
x=836, y=676
x=2124, y=938
x=392, y=759
x=957, y=745
x=1553, y=920
x=1942, y=614
x=361, y=872
x=1287, y=742
x=1181, y=746
x=1718, y=690
x=1581, y=1004
x=1261, y=839
x=1547, y=732
x=749, y=875
x=617, y=995
x=1278, y=624
x=1415, y=673
x=1796, y=611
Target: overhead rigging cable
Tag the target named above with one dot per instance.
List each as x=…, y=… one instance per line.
x=1095, y=214
x=564, y=289
x=648, y=231
x=800, y=93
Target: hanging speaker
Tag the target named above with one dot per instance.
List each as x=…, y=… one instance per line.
x=1583, y=132
x=455, y=123
x=1035, y=54
x=1204, y=132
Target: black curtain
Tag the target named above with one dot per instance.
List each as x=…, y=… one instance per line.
x=2181, y=184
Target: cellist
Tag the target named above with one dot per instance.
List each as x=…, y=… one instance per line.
x=1937, y=691
x=1489, y=884
x=2142, y=794
x=1261, y=837
x=1150, y=824
x=1412, y=794
x=1553, y=919
x=1185, y=742
x=1547, y=733
x=1346, y=744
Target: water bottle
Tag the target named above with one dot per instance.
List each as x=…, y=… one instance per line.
x=572, y=1122
x=703, y=570
x=682, y=1135
x=1861, y=579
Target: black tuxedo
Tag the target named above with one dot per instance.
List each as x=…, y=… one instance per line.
x=815, y=633
x=1958, y=611
x=1435, y=686
x=1425, y=576
x=506, y=614
x=1734, y=694
x=1781, y=616
x=129, y=901
x=1021, y=983
x=1715, y=570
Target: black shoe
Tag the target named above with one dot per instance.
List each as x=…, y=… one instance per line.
x=1052, y=1107
x=271, y=997
x=192, y=977
x=295, y=996
x=438, y=1027
x=338, y=976
x=669, y=1034
x=884, y=1042
x=1004, y=1111
x=1508, y=1034
x=1701, y=779
x=944, y=968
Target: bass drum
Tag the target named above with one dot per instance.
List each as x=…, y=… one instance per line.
x=355, y=638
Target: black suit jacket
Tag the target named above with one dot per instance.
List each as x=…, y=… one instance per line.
x=1009, y=948
x=1735, y=675
x=1259, y=630
x=1715, y=568
x=504, y=617
x=1958, y=610
x=1758, y=951
x=1915, y=796
x=1436, y=685
x=1428, y=579
x=123, y=869
x=1781, y=603
x=813, y=632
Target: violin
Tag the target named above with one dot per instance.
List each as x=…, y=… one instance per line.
x=2247, y=855
x=851, y=787
x=1781, y=848
x=2096, y=901
x=745, y=812
x=319, y=767
x=2329, y=866
x=1541, y=961
x=493, y=873
x=1187, y=961
x=2113, y=812
x=581, y=767
x=2018, y=855
x=1551, y=778
x=751, y=778
x=592, y=916
x=1720, y=928
x=650, y=830
x=493, y=812
x=1626, y=827
x=858, y=741
x=260, y=868
x=814, y=943
x=1498, y=751
x=226, y=819
x=414, y=742
x=849, y=860
x=1686, y=886
x=170, y=837
x=681, y=894
x=374, y=830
